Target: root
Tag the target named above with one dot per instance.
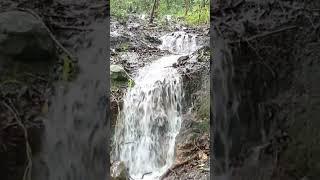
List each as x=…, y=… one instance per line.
x=27, y=171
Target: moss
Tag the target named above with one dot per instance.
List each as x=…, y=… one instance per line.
x=122, y=83
x=131, y=83
x=204, y=55
x=204, y=109
x=124, y=46
x=202, y=126
x=69, y=68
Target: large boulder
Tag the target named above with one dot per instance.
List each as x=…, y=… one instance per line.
x=24, y=37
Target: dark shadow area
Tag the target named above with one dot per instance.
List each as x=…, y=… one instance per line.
x=54, y=105
x=265, y=90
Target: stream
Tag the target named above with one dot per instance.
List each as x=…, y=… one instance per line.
x=150, y=120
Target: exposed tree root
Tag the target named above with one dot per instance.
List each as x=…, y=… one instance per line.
x=27, y=172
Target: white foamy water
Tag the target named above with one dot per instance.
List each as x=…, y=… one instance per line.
x=150, y=120
x=179, y=42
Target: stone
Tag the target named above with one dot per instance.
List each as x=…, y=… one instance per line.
x=117, y=73
x=119, y=171
x=25, y=37
x=153, y=39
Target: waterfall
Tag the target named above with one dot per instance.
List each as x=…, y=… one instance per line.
x=179, y=42
x=151, y=119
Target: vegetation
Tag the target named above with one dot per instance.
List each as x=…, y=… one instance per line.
x=190, y=12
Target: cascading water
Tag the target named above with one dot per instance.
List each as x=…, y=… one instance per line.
x=179, y=42
x=151, y=117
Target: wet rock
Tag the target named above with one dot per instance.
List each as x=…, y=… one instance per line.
x=117, y=39
x=117, y=73
x=182, y=59
x=153, y=39
x=195, y=73
x=119, y=171
x=134, y=26
x=24, y=37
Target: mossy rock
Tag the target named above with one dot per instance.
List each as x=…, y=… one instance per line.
x=202, y=126
x=117, y=73
x=123, y=47
x=204, y=108
x=120, y=78
x=203, y=54
x=122, y=172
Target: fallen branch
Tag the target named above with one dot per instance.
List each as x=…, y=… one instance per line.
x=59, y=26
x=270, y=33
x=146, y=174
x=104, y=5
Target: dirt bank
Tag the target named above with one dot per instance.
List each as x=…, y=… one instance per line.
x=25, y=95
x=271, y=95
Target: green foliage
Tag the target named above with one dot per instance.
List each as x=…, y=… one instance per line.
x=121, y=9
x=131, y=83
x=69, y=68
x=124, y=46
x=203, y=126
x=118, y=10
x=204, y=109
x=197, y=14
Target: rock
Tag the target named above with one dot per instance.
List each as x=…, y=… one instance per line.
x=24, y=37
x=118, y=73
x=153, y=39
x=119, y=171
x=182, y=59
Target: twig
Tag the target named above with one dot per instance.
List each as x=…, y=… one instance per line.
x=99, y=6
x=194, y=143
x=270, y=33
x=35, y=76
x=59, y=16
x=27, y=172
x=174, y=172
x=146, y=174
x=261, y=60
x=177, y=166
x=59, y=26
